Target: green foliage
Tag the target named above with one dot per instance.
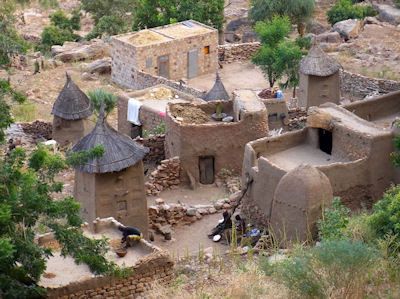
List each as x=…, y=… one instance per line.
x=299, y=11
x=77, y=158
x=160, y=129
x=10, y=41
x=153, y=13
x=334, y=221
x=396, y=155
x=345, y=9
x=61, y=20
x=110, y=25
x=26, y=184
x=7, y=92
x=101, y=96
x=386, y=217
x=119, y=8
x=334, y=269
x=279, y=56
x=397, y=3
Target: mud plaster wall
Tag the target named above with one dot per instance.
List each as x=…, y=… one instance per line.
x=125, y=56
x=372, y=109
x=117, y=194
x=360, y=86
x=70, y=131
x=155, y=267
x=190, y=142
x=277, y=107
x=315, y=90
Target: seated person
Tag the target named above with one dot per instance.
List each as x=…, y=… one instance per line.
x=130, y=235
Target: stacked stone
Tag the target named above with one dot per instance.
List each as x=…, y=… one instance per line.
x=171, y=214
x=236, y=52
x=156, y=145
x=38, y=128
x=165, y=176
x=157, y=267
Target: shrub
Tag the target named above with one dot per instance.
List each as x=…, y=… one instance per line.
x=60, y=20
x=53, y=35
x=101, y=96
x=110, y=25
x=337, y=269
x=386, y=217
x=334, y=221
x=344, y=10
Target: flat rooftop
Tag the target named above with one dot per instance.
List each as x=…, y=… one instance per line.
x=166, y=33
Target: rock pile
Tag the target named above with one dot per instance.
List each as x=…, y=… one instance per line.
x=235, y=52
x=156, y=145
x=38, y=128
x=165, y=176
x=162, y=215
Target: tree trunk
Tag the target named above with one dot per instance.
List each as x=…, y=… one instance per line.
x=294, y=92
x=301, y=28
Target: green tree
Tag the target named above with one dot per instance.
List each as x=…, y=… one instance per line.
x=153, y=13
x=10, y=41
x=62, y=21
x=299, y=11
x=52, y=35
x=110, y=25
x=345, y=9
x=271, y=33
x=103, y=97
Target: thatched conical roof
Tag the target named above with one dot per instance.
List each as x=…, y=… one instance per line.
x=318, y=63
x=120, y=150
x=218, y=92
x=72, y=103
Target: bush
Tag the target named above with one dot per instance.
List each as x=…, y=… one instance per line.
x=334, y=221
x=344, y=10
x=386, y=217
x=110, y=25
x=337, y=269
x=60, y=20
x=53, y=35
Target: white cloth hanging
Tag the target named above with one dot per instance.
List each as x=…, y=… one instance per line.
x=133, y=111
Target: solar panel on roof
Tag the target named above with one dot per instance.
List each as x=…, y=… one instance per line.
x=188, y=24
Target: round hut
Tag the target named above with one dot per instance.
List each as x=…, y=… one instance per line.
x=217, y=92
x=112, y=185
x=71, y=113
x=319, y=79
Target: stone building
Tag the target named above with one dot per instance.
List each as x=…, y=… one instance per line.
x=176, y=51
x=217, y=92
x=351, y=149
x=112, y=185
x=206, y=148
x=71, y=111
x=319, y=79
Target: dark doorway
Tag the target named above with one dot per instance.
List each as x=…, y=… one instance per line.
x=136, y=131
x=206, y=169
x=325, y=141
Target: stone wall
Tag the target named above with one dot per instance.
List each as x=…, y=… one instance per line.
x=361, y=86
x=154, y=267
x=236, y=52
x=165, y=176
x=156, y=145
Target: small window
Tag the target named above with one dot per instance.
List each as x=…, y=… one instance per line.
x=149, y=62
x=207, y=50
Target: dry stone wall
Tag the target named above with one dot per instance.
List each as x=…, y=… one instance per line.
x=165, y=176
x=361, y=86
x=236, y=52
x=156, y=145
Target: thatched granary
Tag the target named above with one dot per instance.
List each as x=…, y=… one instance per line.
x=71, y=111
x=217, y=92
x=112, y=185
x=319, y=79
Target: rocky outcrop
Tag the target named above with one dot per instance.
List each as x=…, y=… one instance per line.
x=101, y=66
x=348, y=29
x=329, y=37
x=93, y=50
x=388, y=13
x=316, y=28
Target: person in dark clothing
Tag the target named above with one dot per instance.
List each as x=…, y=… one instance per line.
x=240, y=224
x=225, y=224
x=129, y=233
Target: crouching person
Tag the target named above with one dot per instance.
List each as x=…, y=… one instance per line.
x=130, y=235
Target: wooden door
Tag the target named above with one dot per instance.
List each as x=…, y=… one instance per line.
x=163, y=66
x=206, y=169
x=192, y=64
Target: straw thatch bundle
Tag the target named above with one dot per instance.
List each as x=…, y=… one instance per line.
x=318, y=63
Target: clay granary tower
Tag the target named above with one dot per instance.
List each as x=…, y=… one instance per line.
x=71, y=111
x=217, y=92
x=112, y=185
x=319, y=79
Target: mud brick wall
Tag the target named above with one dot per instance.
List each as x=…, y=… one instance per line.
x=165, y=176
x=361, y=86
x=236, y=52
x=156, y=145
x=155, y=267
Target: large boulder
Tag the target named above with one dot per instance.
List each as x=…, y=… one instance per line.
x=316, y=28
x=388, y=13
x=348, y=29
x=100, y=66
x=249, y=36
x=67, y=46
x=329, y=37
x=234, y=25
x=93, y=50
x=297, y=205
